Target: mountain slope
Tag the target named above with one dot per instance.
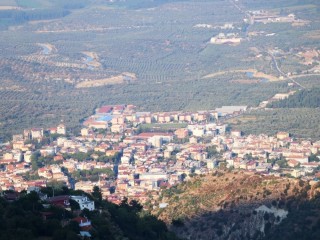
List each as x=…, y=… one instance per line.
x=229, y=205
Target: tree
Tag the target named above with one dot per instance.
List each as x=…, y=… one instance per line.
x=314, y=158
x=35, y=164
x=97, y=195
x=135, y=206
x=74, y=205
x=73, y=226
x=65, y=234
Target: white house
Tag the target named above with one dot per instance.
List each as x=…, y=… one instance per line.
x=61, y=129
x=84, y=202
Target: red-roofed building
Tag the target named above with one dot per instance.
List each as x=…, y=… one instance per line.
x=293, y=163
x=52, y=130
x=105, y=109
x=165, y=136
x=118, y=107
x=58, y=158
x=11, y=196
x=60, y=201
x=84, y=223
x=181, y=133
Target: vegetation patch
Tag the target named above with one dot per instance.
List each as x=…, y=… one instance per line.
x=315, y=35
x=122, y=78
x=300, y=122
x=162, y=126
x=254, y=72
x=306, y=98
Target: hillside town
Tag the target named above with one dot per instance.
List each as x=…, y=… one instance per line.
x=117, y=154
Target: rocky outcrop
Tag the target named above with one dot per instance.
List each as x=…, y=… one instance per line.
x=228, y=205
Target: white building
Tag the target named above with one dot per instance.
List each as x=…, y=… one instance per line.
x=153, y=176
x=84, y=202
x=156, y=141
x=198, y=132
x=84, y=132
x=61, y=129
x=27, y=156
x=211, y=164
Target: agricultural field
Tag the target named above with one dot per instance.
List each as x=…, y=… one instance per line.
x=8, y=3
x=299, y=122
x=161, y=127
x=62, y=59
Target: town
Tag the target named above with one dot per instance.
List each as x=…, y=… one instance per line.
x=115, y=154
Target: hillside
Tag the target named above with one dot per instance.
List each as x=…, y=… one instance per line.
x=231, y=205
x=306, y=98
x=28, y=217
x=300, y=122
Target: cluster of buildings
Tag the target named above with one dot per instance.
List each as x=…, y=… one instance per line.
x=225, y=26
x=144, y=163
x=229, y=38
x=262, y=16
x=262, y=153
x=118, y=117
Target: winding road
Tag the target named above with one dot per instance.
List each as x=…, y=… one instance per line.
x=282, y=73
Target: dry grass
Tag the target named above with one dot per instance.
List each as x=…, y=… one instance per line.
x=299, y=24
x=106, y=81
x=245, y=81
x=313, y=35
x=242, y=119
x=256, y=74
x=92, y=55
x=95, y=57
x=212, y=192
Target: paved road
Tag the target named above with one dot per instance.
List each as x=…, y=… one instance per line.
x=282, y=73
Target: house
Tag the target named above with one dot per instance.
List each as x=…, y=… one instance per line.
x=292, y=163
x=52, y=130
x=230, y=163
x=236, y=133
x=181, y=133
x=36, y=189
x=251, y=165
x=58, y=158
x=86, y=186
x=37, y=133
x=85, y=226
x=297, y=173
x=153, y=176
x=61, y=129
x=85, y=132
x=283, y=135
x=212, y=163
x=198, y=132
x=11, y=196
x=98, y=125
x=83, y=202
x=117, y=128
x=59, y=201
x=167, y=137
x=104, y=109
